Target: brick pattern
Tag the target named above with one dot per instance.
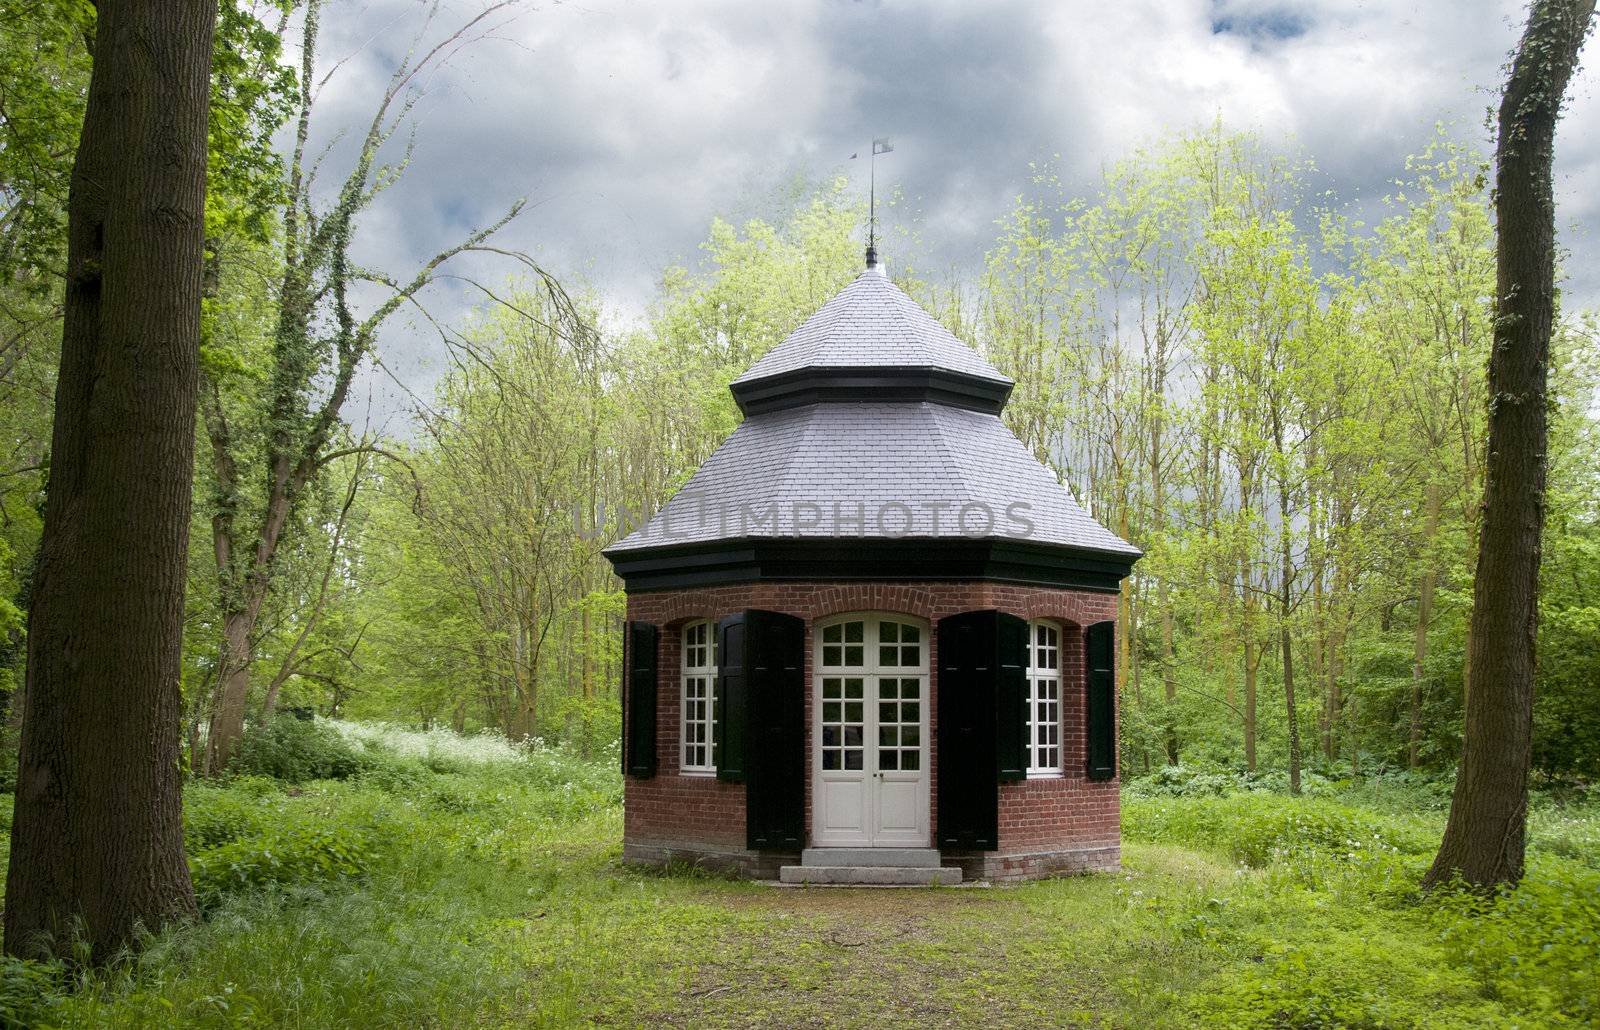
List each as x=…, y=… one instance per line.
x=1047, y=825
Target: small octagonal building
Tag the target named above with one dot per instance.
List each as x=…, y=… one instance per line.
x=871, y=639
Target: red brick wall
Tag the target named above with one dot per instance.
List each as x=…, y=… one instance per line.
x=1058, y=812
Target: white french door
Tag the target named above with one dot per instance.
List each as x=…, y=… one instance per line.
x=870, y=733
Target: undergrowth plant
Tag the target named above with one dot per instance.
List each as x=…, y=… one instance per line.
x=448, y=881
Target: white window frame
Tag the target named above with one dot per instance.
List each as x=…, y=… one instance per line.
x=697, y=684
x=1044, y=671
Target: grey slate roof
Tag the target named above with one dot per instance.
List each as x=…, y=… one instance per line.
x=873, y=470
x=844, y=469
x=871, y=323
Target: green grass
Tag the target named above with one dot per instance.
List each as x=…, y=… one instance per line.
x=491, y=894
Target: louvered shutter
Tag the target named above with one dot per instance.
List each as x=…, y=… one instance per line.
x=1011, y=697
x=969, y=789
x=1101, y=699
x=639, y=704
x=775, y=765
x=731, y=709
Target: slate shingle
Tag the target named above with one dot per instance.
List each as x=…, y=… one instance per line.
x=845, y=469
x=871, y=323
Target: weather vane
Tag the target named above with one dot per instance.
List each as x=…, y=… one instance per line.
x=879, y=146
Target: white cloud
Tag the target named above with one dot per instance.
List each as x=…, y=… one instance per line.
x=629, y=125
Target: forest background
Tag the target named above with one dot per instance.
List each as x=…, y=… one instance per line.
x=1281, y=403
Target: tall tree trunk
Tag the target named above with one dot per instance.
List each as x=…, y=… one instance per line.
x=1285, y=640
x=1252, y=654
x=97, y=838
x=1419, y=650
x=1124, y=612
x=1252, y=659
x=1485, y=837
x=233, y=688
x=1169, y=672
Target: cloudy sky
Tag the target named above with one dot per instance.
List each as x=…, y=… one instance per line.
x=629, y=124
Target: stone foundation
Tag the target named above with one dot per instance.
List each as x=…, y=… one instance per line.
x=1036, y=865
x=754, y=865
x=977, y=865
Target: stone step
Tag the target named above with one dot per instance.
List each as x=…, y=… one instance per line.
x=900, y=875
x=921, y=858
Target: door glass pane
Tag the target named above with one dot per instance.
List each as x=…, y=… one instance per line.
x=843, y=723
x=899, y=724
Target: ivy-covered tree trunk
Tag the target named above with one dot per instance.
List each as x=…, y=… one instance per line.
x=97, y=839
x=1485, y=837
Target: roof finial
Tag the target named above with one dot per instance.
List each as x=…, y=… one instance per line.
x=879, y=146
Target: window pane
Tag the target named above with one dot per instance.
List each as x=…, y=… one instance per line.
x=911, y=735
x=830, y=759
x=888, y=736
x=911, y=760
x=854, y=655
x=833, y=634
x=887, y=711
x=832, y=655
x=888, y=759
x=910, y=634
x=888, y=632
x=852, y=759
x=911, y=655
x=854, y=632
x=852, y=736
x=888, y=656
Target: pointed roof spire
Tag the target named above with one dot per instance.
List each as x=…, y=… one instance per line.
x=871, y=341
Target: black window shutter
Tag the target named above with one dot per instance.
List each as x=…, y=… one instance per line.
x=639, y=707
x=969, y=789
x=1101, y=700
x=1011, y=700
x=775, y=699
x=731, y=709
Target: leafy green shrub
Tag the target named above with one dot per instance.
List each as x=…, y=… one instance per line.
x=28, y=991
x=1570, y=829
x=216, y=815
x=1255, y=828
x=294, y=751
x=438, y=743
x=1538, y=946
x=288, y=856
x=393, y=773
x=1345, y=981
x=445, y=765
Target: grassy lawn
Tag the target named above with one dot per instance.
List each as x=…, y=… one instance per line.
x=468, y=885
